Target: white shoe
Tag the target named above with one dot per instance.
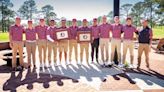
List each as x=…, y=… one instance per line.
x=121, y=65
x=49, y=66
x=134, y=66
x=41, y=65
x=79, y=63
x=59, y=64
x=69, y=63
x=66, y=63
x=45, y=66
x=55, y=64
x=110, y=63
x=131, y=66
x=104, y=65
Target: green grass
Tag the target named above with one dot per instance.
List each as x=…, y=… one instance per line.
x=4, y=37
x=157, y=31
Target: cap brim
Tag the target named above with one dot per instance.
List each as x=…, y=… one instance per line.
x=41, y=19
x=18, y=18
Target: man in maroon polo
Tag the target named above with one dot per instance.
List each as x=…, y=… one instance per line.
x=52, y=42
x=73, y=40
x=116, y=29
x=84, y=45
x=16, y=43
x=95, y=39
x=30, y=34
x=104, y=39
x=128, y=31
x=42, y=42
x=63, y=44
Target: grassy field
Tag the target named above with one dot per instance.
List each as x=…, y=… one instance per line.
x=4, y=37
x=157, y=31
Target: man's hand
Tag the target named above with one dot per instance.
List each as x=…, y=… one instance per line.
x=55, y=42
x=11, y=44
x=150, y=48
x=92, y=39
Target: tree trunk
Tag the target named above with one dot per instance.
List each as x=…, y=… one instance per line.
x=8, y=26
x=2, y=18
x=151, y=15
x=31, y=13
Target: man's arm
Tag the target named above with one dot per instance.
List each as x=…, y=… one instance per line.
x=136, y=30
x=151, y=35
x=23, y=28
x=36, y=31
x=76, y=33
x=92, y=35
x=49, y=38
x=10, y=37
x=110, y=30
x=122, y=29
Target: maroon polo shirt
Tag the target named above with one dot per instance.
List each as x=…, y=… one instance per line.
x=41, y=31
x=128, y=31
x=86, y=29
x=51, y=31
x=73, y=32
x=16, y=33
x=116, y=30
x=104, y=30
x=95, y=31
x=30, y=34
x=62, y=28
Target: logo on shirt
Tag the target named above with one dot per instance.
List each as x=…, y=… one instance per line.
x=85, y=36
x=62, y=35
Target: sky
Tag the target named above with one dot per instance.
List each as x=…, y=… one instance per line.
x=78, y=9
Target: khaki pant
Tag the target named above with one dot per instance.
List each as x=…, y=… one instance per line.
x=84, y=46
x=143, y=48
x=128, y=44
x=52, y=46
x=42, y=48
x=17, y=46
x=104, y=43
x=63, y=45
x=73, y=43
x=31, y=50
x=116, y=44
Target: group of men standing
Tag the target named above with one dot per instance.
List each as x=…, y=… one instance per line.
x=44, y=37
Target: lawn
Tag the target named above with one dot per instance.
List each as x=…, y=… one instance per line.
x=157, y=31
x=4, y=36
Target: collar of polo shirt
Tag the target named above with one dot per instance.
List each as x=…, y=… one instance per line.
x=52, y=26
